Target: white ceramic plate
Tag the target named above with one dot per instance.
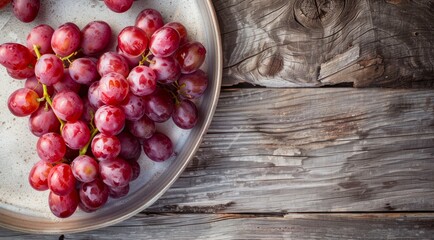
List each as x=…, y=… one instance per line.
x=24, y=209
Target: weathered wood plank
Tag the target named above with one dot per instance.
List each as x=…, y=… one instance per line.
x=325, y=42
x=249, y=226
x=304, y=150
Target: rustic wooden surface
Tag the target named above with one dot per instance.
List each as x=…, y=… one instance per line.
x=309, y=163
x=299, y=43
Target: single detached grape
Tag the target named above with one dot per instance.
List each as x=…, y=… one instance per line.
x=142, y=80
x=83, y=71
x=67, y=105
x=112, y=62
x=190, y=57
x=130, y=146
x=43, y=121
x=119, y=6
x=38, y=176
x=63, y=206
x=66, y=39
x=40, y=36
x=105, y=147
x=85, y=169
x=166, y=69
x=61, y=181
x=132, y=41
x=164, y=42
x=109, y=120
x=159, y=105
x=76, y=134
x=115, y=172
x=142, y=128
x=118, y=192
x=23, y=102
x=95, y=37
x=26, y=10
x=113, y=88
x=185, y=114
x=51, y=147
x=15, y=56
x=49, y=69
x=193, y=85
x=94, y=195
x=158, y=148
x=149, y=20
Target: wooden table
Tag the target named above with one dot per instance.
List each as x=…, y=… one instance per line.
x=298, y=160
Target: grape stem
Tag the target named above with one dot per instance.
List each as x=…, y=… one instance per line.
x=145, y=58
x=46, y=97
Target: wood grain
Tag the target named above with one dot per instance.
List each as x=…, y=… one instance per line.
x=249, y=226
x=307, y=43
x=304, y=150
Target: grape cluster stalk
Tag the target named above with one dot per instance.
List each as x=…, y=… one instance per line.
x=95, y=111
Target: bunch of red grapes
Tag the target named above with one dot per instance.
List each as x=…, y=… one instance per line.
x=94, y=111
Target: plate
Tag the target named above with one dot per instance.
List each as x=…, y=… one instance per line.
x=24, y=209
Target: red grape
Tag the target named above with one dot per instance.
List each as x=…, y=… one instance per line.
x=63, y=206
x=159, y=105
x=130, y=146
x=193, y=85
x=67, y=83
x=93, y=95
x=95, y=37
x=164, y=42
x=142, y=80
x=84, y=168
x=67, y=105
x=166, y=69
x=61, y=181
x=132, y=61
x=4, y=3
x=112, y=62
x=158, y=148
x=133, y=107
x=113, y=88
x=38, y=176
x=49, y=69
x=142, y=128
x=94, y=195
x=190, y=57
x=115, y=172
x=83, y=71
x=136, y=169
x=43, y=121
x=51, y=147
x=15, y=56
x=185, y=114
x=26, y=10
x=118, y=192
x=119, y=6
x=105, y=147
x=33, y=84
x=40, y=36
x=182, y=31
x=109, y=120
x=149, y=20
x=132, y=41
x=76, y=134
x=20, y=74
x=88, y=110
x=66, y=39
x=23, y=102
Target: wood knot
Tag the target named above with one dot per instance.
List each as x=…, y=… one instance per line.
x=318, y=13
